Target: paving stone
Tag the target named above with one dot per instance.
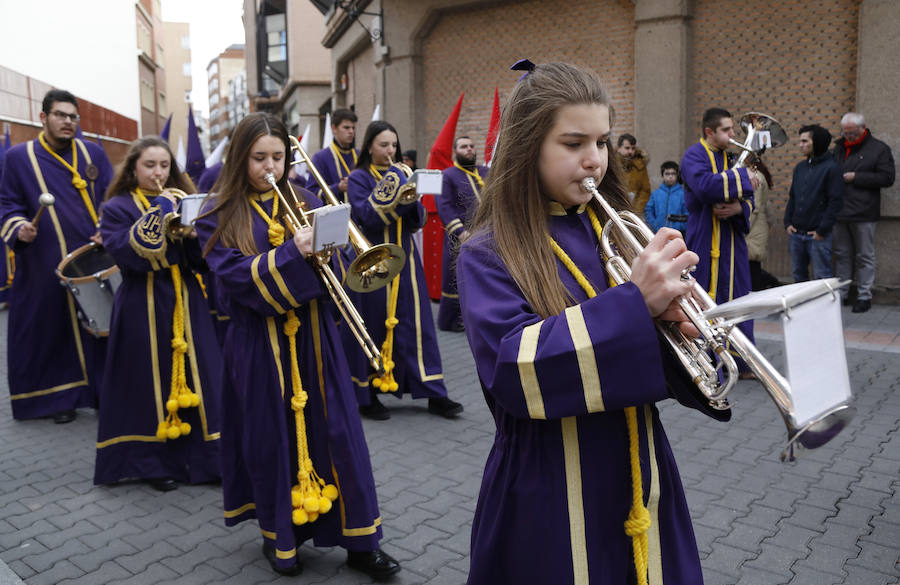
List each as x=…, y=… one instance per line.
x=857, y=575
x=139, y=561
x=45, y=559
x=878, y=557
x=58, y=537
x=152, y=575
x=201, y=575
x=59, y=572
x=107, y=573
x=93, y=560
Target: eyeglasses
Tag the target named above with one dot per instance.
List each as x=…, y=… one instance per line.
x=64, y=116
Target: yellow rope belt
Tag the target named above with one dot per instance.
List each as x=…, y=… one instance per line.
x=638, y=522
x=77, y=181
x=180, y=396
x=386, y=382
x=311, y=497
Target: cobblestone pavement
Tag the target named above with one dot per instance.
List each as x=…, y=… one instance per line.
x=831, y=517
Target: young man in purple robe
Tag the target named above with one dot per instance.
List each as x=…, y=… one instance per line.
x=719, y=199
x=160, y=400
x=462, y=185
x=54, y=365
x=580, y=485
x=293, y=451
x=409, y=346
x=336, y=161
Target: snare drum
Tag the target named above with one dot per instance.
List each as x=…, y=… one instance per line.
x=91, y=275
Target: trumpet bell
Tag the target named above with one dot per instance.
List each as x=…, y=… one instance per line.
x=375, y=268
x=764, y=123
x=816, y=433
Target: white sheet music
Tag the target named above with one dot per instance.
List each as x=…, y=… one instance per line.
x=815, y=357
x=331, y=226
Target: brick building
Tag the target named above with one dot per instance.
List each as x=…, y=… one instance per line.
x=664, y=62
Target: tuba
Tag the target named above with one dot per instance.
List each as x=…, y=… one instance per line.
x=354, y=320
x=762, y=132
x=707, y=359
x=374, y=266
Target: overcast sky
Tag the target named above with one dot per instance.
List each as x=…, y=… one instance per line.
x=215, y=24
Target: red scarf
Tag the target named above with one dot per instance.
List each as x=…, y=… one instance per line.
x=848, y=145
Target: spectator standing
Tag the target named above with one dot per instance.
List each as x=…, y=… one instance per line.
x=868, y=167
x=666, y=205
x=815, y=198
x=634, y=163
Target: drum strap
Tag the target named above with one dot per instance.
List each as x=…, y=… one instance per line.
x=77, y=182
x=42, y=184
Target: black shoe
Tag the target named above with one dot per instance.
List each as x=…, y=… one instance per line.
x=444, y=407
x=375, y=410
x=458, y=327
x=64, y=416
x=292, y=571
x=862, y=306
x=847, y=302
x=377, y=564
x=163, y=484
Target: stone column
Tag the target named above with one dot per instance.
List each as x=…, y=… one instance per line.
x=662, y=72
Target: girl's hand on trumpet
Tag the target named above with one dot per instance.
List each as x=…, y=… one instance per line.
x=657, y=273
x=303, y=241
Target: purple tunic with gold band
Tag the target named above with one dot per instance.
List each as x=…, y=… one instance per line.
x=416, y=355
x=456, y=205
x=54, y=364
x=557, y=486
x=138, y=376
x=724, y=267
x=259, y=438
x=333, y=163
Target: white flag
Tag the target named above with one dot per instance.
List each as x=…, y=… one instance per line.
x=300, y=166
x=376, y=115
x=215, y=157
x=326, y=140
x=181, y=155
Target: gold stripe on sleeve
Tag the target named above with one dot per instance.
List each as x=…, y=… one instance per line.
x=587, y=363
x=740, y=186
x=575, y=500
x=724, y=175
x=527, y=374
x=261, y=286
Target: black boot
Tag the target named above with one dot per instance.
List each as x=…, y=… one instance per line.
x=444, y=407
x=377, y=564
x=292, y=571
x=375, y=410
x=64, y=416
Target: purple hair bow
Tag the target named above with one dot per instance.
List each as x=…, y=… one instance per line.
x=523, y=65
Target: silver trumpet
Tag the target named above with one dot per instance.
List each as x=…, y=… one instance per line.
x=707, y=359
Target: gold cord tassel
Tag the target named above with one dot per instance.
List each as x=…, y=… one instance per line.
x=386, y=382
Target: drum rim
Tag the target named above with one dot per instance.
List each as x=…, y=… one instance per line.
x=100, y=274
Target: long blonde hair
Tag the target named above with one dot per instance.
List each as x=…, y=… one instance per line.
x=513, y=211
x=232, y=202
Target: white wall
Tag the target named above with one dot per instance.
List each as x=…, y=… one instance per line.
x=88, y=47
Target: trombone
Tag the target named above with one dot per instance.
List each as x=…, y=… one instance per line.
x=374, y=266
x=351, y=316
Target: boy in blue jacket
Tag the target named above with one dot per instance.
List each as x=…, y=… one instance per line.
x=666, y=205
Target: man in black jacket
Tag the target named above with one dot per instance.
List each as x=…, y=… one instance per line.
x=816, y=196
x=868, y=167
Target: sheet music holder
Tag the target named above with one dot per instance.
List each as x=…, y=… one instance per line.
x=331, y=227
x=815, y=357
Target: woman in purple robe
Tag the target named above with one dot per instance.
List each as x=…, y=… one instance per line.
x=293, y=451
x=160, y=396
x=409, y=347
x=581, y=485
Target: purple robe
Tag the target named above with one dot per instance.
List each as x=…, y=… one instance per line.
x=709, y=179
x=416, y=355
x=7, y=271
x=138, y=374
x=557, y=486
x=259, y=449
x=53, y=363
x=333, y=167
x=208, y=178
x=456, y=205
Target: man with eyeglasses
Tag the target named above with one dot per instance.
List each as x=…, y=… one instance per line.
x=868, y=167
x=54, y=365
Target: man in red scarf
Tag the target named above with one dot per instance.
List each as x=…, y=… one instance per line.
x=868, y=167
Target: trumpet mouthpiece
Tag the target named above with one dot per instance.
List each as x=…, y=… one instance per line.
x=588, y=183
x=270, y=178
x=46, y=199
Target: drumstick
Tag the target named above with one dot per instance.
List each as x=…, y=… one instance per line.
x=46, y=200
